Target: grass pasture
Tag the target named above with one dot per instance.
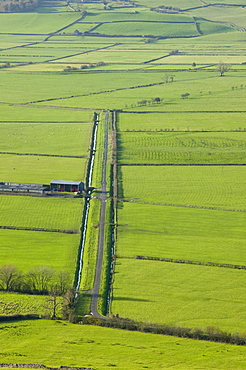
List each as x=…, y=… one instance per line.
x=34, y=23
x=181, y=121
x=206, y=27
x=38, y=212
x=71, y=139
x=181, y=233
x=147, y=28
x=184, y=295
x=142, y=15
x=192, y=213
x=9, y=41
x=199, y=186
x=38, y=114
x=24, y=304
x=101, y=348
x=179, y=147
x=226, y=14
x=28, y=249
x=39, y=170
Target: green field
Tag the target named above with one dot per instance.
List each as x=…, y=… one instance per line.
x=183, y=121
x=180, y=158
x=184, y=295
x=199, y=186
x=35, y=23
x=38, y=212
x=145, y=29
x=100, y=348
x=179, y=147
x=27, y=249
x=69, y=139
x=181, y=232
x=39, y=170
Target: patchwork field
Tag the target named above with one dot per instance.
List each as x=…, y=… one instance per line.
x=175, y=72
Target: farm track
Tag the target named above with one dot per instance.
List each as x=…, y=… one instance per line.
x=103, y=197
x=186, y=262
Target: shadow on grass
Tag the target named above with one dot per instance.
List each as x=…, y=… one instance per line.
x=131, y=299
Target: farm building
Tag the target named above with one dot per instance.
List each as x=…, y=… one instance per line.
x=67, y=186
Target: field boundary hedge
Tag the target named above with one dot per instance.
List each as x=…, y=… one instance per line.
x=46, y=155
x=188, y=262
x=181, y=164
x=212, y=334
x=16, y=317
x=39, y=229
x=182, y=111
x=167, y=130
x=40, y=366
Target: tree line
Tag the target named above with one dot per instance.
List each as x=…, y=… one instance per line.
x=8, y=6
x=38, y=280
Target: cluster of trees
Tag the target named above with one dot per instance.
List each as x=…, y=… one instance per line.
x=38, y=280
x=153, y=100
x=8, y=6
x=5, y=65
x=165, y=9
x=83, y=66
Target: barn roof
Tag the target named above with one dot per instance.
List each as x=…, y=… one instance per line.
x=65, y=182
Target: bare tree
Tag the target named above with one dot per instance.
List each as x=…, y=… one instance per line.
x=168, y=77
x=223, y=68
x=10, y=277
x=62, y=282
x=53, y=302
x=39, y=278
x=70, y=299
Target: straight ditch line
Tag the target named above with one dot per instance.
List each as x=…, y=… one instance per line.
x=187, y=262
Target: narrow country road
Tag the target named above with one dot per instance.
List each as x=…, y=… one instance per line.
x=103, y=197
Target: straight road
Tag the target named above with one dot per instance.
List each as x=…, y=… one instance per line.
x=103, y=197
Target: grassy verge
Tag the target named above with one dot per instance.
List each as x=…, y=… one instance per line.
x=91, y=243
